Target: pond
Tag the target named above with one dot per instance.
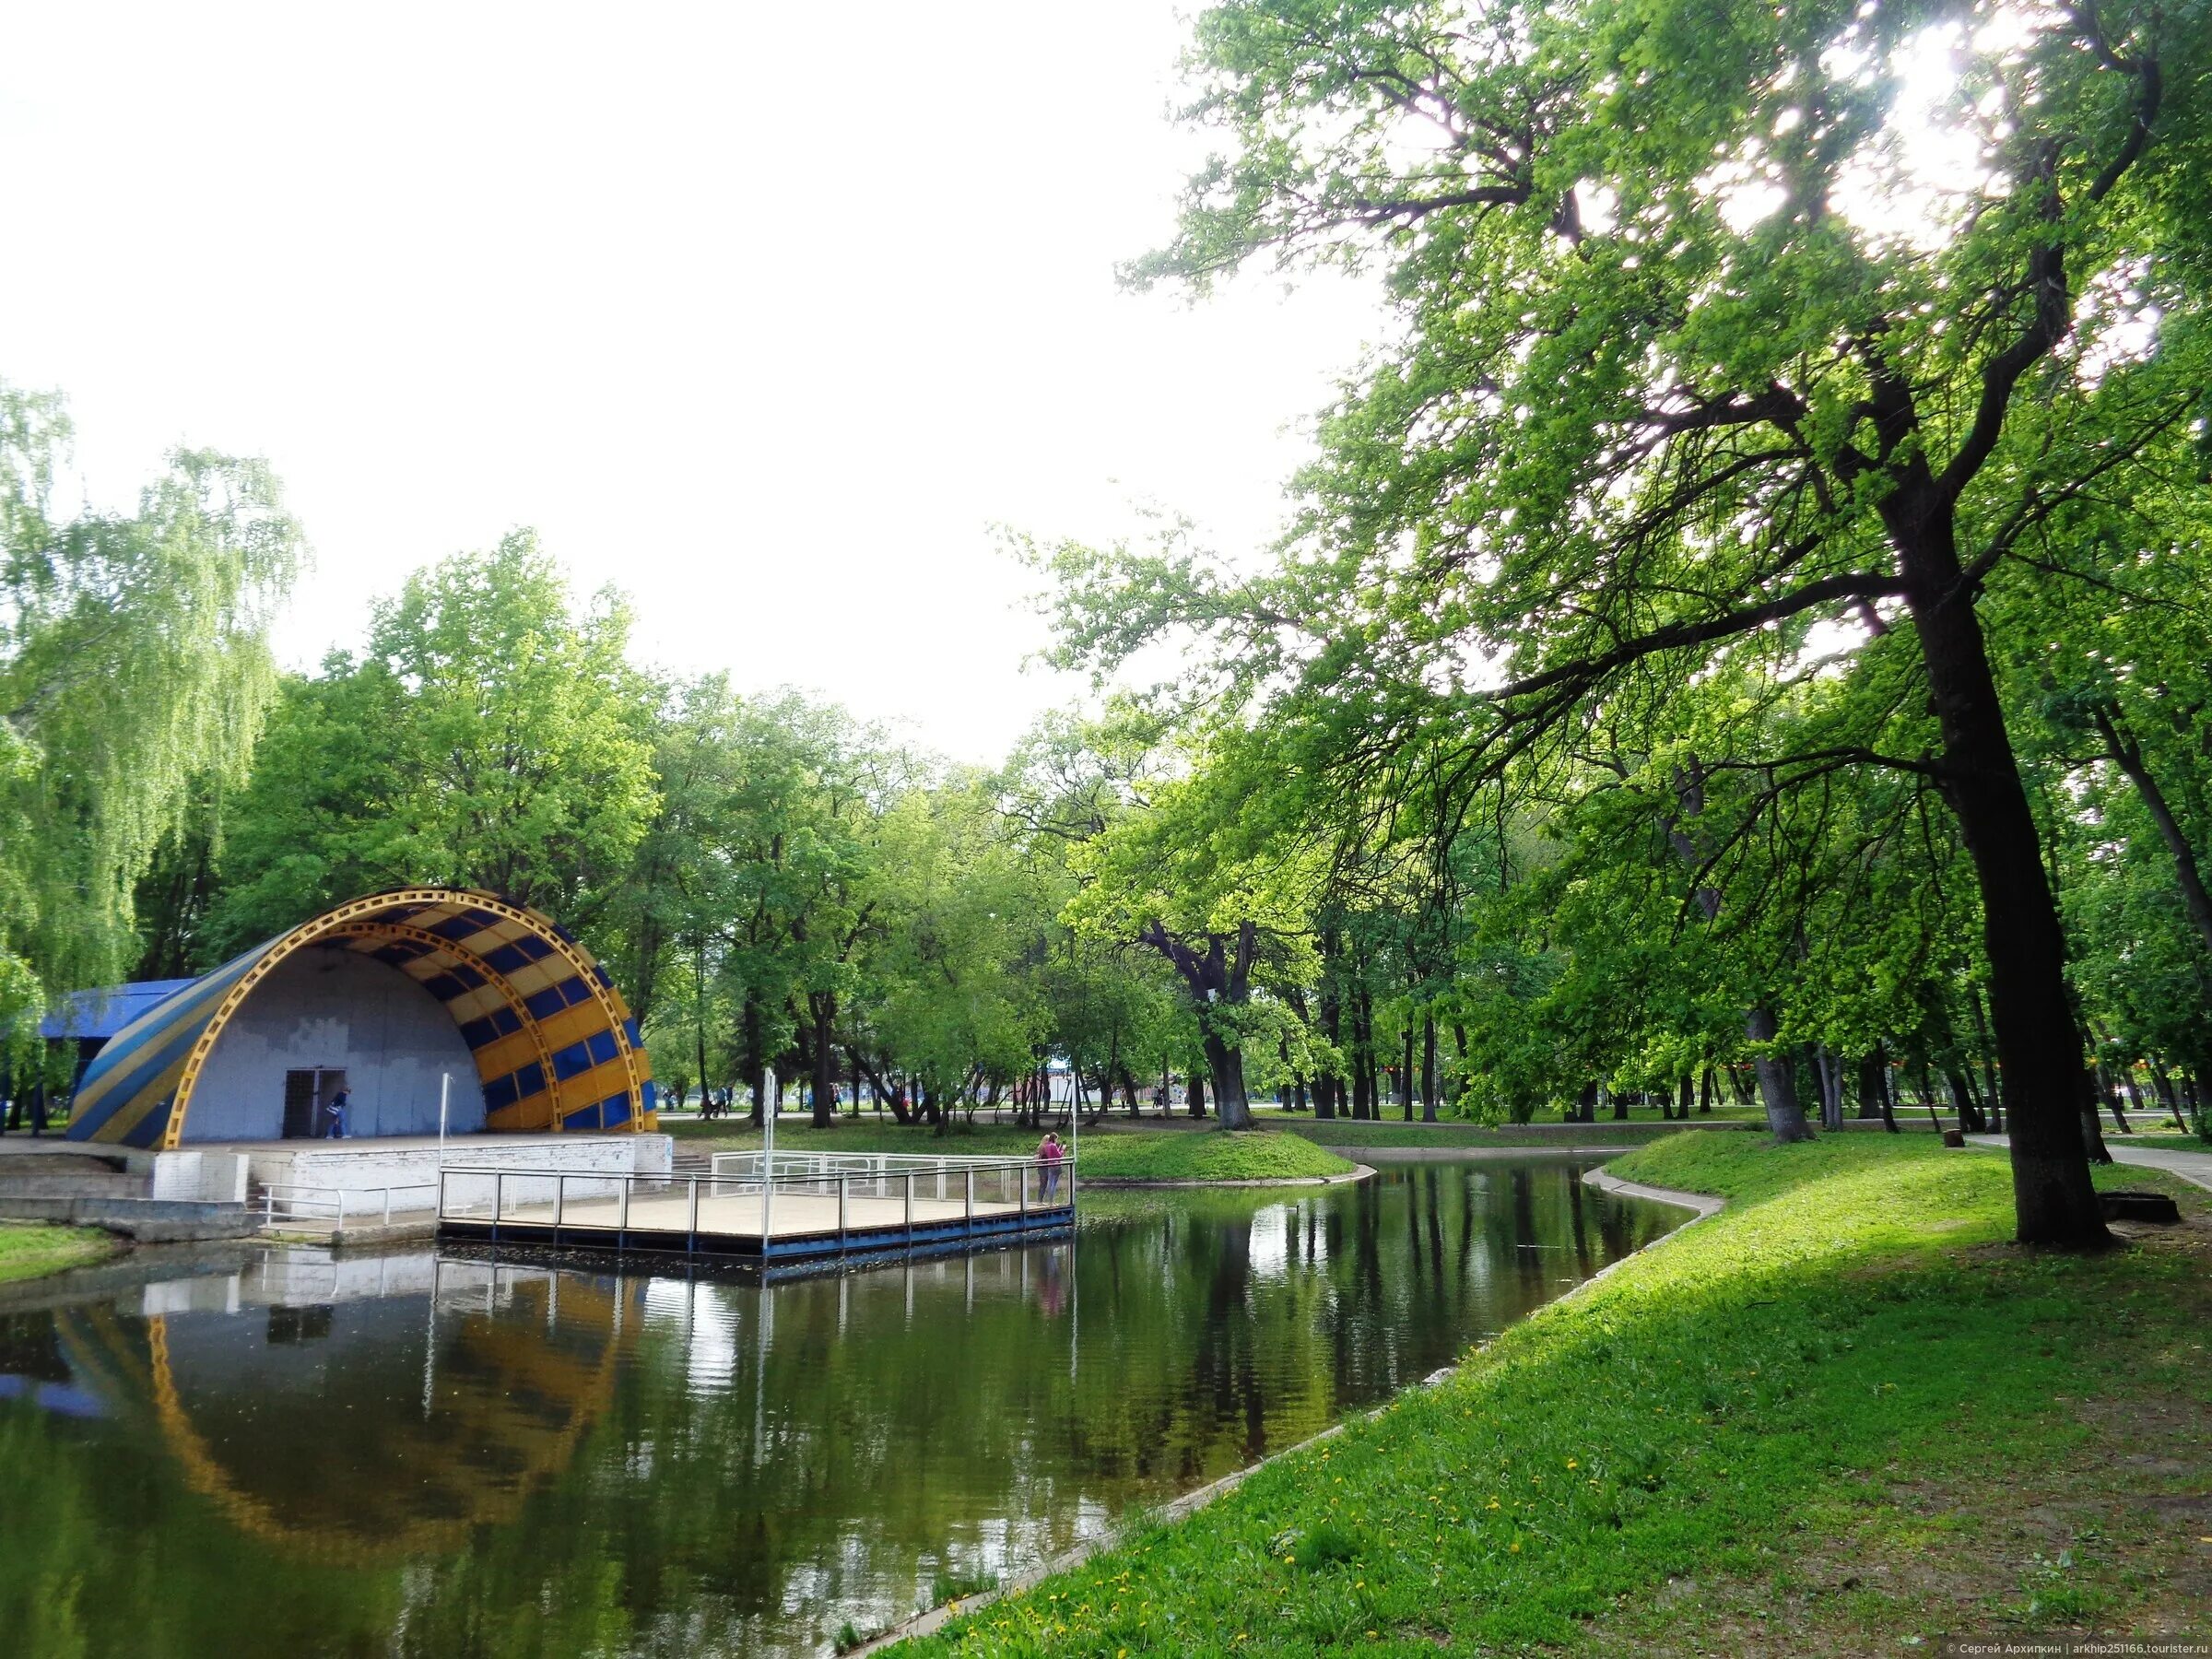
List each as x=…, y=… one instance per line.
x=413, y=1454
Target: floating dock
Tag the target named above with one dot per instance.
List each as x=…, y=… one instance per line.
x=771, y=1210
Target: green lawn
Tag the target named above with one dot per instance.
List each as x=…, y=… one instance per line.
x=2177, y=1143
x=864, y=1134
x=1202, y=1154
x=1220, y=1155
x=28, y=1251
x=1343, y=1132
x=1846, y=1416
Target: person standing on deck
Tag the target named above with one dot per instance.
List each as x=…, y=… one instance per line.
x=336, y=1111
x=1049, y=1154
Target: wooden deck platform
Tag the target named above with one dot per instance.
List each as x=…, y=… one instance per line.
x=818, y=1218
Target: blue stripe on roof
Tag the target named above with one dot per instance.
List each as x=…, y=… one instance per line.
x=571, y=1061
x=603, y=1047
x=506, y=959
x=546, y=1002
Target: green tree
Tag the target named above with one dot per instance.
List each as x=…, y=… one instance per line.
x=133, y=670
x=1690, y=357
x=491, y=736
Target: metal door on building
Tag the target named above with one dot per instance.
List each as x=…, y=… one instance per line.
x=307, y=1095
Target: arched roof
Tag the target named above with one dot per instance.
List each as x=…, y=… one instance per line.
x=554, y=1042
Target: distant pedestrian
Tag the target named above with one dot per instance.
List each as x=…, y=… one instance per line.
x=1049, y=1154
x=336, y=1112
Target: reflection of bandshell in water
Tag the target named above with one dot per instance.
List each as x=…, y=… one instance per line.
x=505, y=1367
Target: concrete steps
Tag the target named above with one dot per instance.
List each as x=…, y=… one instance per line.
x=70, y=1175
x=87, y=1189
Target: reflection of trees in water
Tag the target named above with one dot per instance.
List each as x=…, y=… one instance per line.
x=813, y=1446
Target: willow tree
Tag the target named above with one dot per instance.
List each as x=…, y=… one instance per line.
x=134, y=667
x=1718, y=329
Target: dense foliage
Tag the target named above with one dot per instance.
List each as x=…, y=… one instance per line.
x=1739, y=640
x=1787, y=412
x=133, y=675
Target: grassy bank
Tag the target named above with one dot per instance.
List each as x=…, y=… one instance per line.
x=1216, y=1157
x=29, y=1250
x=1843, y=1416
x=1125, y=1155
x=1342, y=1132
x=854, y=1134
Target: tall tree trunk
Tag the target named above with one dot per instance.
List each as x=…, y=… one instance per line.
x=2187, y=871
x=1785, y=1116
x=822, y=1004
x=1870, y=1087
x=1228, y=1067
x=752, y=1041
x=1197, y=1094
x=699, y=1017
x=2039, y=1043
x=1708, y=1086
x=1406, y=1074
x=1428, y=1067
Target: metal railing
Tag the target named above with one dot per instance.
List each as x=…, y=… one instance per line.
x=304, y=1203
x=801, y=1195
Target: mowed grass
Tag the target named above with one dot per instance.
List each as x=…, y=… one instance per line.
x=29, y=1250
x=1844, y=1416
x=1205, y=1154
x=865, y=1133
x=1216, y=1156
x=1343, y=1132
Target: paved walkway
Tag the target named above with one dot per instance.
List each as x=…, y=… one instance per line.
x=2189, y=1166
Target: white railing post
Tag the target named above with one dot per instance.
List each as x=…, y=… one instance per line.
x=622, y=1211
x=767, y=1193
x=968, y=1194
x=693, y=1220
x=842, y=1181
x=910, y=1207
x=499, y=1198
x=560, y=1199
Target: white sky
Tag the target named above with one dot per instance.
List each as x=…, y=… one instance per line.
x=764, y=313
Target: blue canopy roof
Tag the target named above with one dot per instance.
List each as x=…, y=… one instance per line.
x=105, y=1011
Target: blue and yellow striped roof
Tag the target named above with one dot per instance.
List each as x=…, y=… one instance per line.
x=555, y=1045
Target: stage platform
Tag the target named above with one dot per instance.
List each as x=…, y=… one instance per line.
x=833, y=1209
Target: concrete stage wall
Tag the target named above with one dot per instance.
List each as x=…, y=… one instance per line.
x=361, y=1167
x=337, y=1010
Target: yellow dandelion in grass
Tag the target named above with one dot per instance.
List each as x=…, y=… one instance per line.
x=1573, y=1464
x=1515, y=1546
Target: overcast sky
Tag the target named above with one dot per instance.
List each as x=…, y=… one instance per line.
x=764, y=313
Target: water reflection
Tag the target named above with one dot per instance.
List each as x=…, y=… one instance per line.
x=415, y=1456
